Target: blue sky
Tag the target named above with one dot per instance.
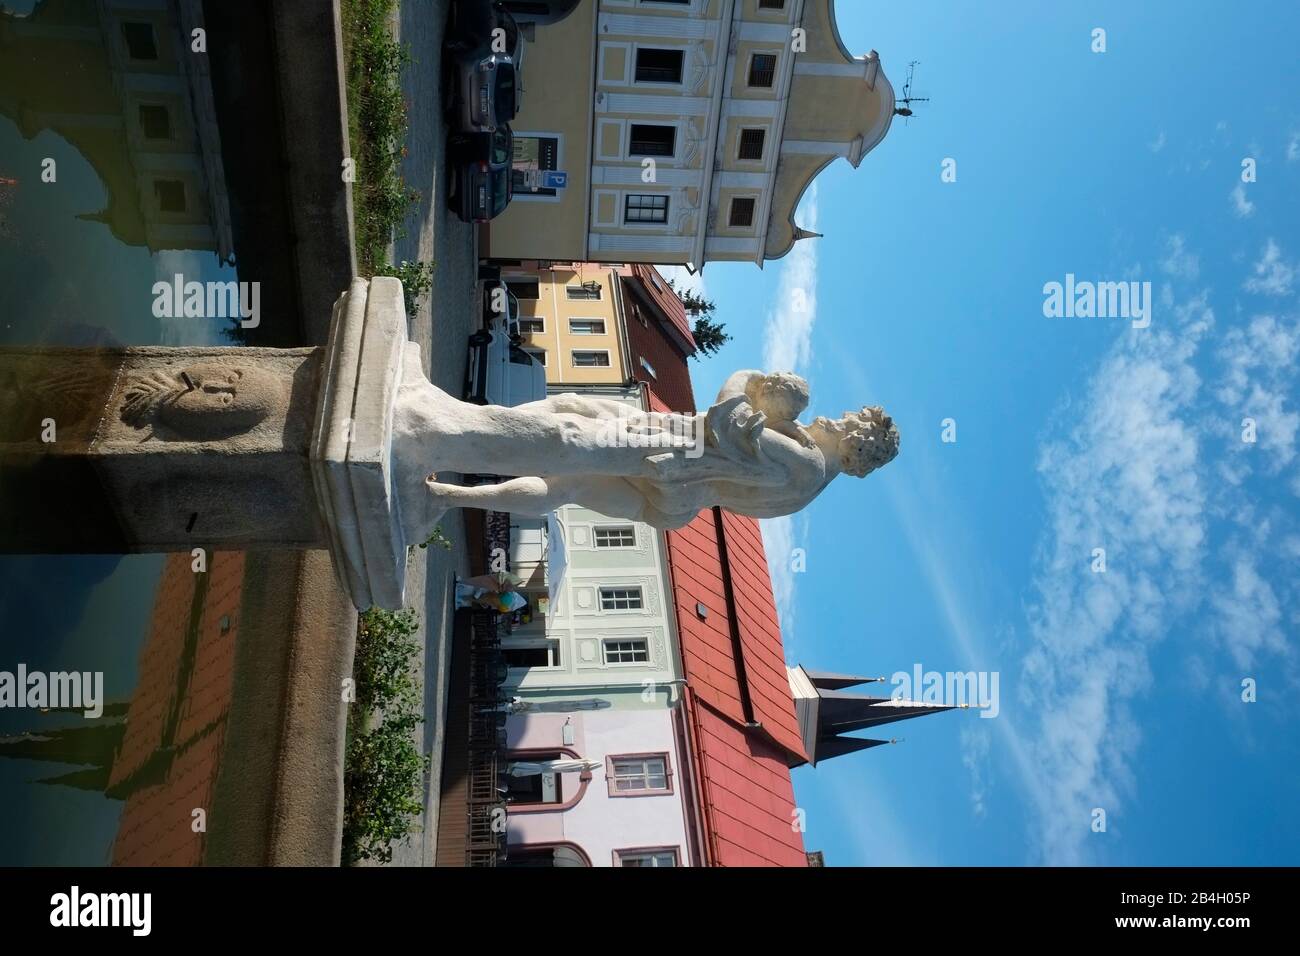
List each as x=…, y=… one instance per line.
x=1119, y=690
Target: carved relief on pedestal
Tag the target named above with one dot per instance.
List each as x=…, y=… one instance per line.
x=204, y=401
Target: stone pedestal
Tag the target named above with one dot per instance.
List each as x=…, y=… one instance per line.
x=170, y=449
x=352, y=445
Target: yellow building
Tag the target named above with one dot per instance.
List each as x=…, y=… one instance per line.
x=687, y=130
x=568, y=313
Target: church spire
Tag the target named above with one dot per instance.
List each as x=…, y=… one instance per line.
x=827, y=712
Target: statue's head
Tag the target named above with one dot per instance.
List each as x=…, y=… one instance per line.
x=866, y=439
x=779, y=395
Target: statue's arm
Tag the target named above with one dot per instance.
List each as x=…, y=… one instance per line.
x=784, y=461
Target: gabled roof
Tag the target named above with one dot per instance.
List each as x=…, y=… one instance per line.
x=746, y=793
x=743, y=732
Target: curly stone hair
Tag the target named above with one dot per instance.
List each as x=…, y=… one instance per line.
x=868, y=439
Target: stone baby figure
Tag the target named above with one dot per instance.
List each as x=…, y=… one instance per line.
x=779, y=398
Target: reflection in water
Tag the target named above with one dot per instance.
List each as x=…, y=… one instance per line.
x=158, y=749
x=111, y=179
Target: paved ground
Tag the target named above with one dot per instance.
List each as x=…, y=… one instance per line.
x=440, y=327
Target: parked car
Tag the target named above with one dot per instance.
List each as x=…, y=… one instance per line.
x=479, y=181
x=499, y=372
x=486, y=82
x=498, y=293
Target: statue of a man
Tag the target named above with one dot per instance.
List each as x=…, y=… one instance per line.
x=748, y=453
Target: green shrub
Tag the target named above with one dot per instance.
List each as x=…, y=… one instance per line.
x=417, y=279
x=376, y=127
x=384, y=783
x=383, y=778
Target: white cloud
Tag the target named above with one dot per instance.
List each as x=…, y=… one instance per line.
x=1257, y=375
x=780, y=538
x=787, y=347
x=1293, y=148
x=1125, y=478
x=1158, y=143
x=1273, y=274
x=684, y=280
x=975, y=742
x=787, y=334
x=1178, y=261
x=1248, y=613
x=1241, y=206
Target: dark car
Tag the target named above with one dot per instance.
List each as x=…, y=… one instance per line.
x=479, y=174
x=485, y=80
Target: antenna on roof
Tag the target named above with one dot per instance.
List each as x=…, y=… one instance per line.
x=907, y=99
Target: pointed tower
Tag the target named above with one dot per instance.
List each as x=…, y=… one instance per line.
x=826, y=710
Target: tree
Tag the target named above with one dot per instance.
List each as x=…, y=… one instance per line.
x=709, y=335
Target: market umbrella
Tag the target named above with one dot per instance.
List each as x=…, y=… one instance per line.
x=521, y=706
x=556, y=557
x=532, y=768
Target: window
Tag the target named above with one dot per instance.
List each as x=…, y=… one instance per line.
x=620, y=599
x=590, y=358
x=762, y=69
x=650, y=369
x=658, y=66
x=532, y=324
x=155, y=122
x=632, y=651
x=771, y=4
x=141, y=44
x=542, y=654
x=539, y=354
x=645, y=207
x=638, y=774
x=587, y=326
x=649, y=139
x=665, y=856
x=621, y=537
x=587, y=292
x=170, y=194
x=534, y=788
x=742, y=211
x=523, y=288
x=751, y=143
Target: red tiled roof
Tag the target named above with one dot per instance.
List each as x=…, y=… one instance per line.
x=747, y=795
x=734, y=682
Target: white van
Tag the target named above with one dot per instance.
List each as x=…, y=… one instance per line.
x=499, y=372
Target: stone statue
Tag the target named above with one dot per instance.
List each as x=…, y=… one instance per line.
x=748, y=453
